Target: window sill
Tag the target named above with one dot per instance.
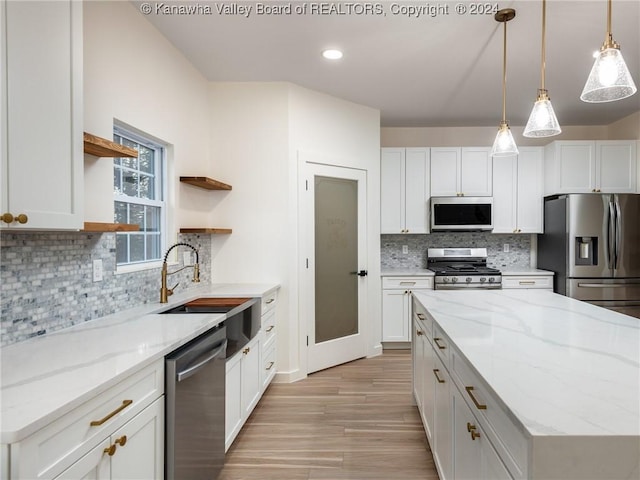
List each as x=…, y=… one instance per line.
x=139, y=267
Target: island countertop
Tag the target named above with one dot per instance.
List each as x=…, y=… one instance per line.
x=561, y=366
x=45, y=377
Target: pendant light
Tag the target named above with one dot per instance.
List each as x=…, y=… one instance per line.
x=542, y=121
x=609, y=79
x=504, y=145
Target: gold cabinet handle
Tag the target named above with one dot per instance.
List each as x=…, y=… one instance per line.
x=526, y=282
x=440, y=380
x=478, y=405
x=122, y=441
x=271, y=364
x=246, y=350
x=271, y=300
x=110, y=450
x=420, y=316
x=470, y=426
x=270, y=328
x=437, y=341
x=22, y=218
x=418, y=332
x=474, y=435
x=97, y=423
x=7, y=218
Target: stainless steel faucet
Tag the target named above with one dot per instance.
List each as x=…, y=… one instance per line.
x=166, y=292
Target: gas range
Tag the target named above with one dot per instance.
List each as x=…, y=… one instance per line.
x=459, y=268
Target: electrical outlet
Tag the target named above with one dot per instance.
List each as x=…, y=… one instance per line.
x=97, y=270
x=505, y=248
x=186, y=258
x=405, y=249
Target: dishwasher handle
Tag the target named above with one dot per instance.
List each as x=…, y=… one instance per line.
x=186, y=373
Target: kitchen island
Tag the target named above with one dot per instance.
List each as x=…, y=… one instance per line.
x=551, y=385
x=56, y=390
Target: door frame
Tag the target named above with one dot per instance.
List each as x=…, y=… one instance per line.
x=372, y=315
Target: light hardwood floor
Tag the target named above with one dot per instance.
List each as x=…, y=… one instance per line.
x=355, y=421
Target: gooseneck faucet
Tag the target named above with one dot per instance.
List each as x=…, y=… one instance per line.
x=166, y=292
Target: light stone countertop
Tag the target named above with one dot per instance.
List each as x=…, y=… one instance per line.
x=561, y=367
x=45, y=377
x=524, y=271
x=406, y=272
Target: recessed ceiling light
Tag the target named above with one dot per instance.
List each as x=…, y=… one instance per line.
x=332, y=54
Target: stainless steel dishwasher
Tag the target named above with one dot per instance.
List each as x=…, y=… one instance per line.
x=195, y=392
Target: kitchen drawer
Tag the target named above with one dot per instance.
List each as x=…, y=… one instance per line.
x=408, y=283
x=269, y=325
x=421, y=316
x=268, y=363
x=269, y=302
x=532, y=281
x=51, y=450
x=441, y=345
x=505, y=435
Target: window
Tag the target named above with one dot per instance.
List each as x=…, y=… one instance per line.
x=138, y=187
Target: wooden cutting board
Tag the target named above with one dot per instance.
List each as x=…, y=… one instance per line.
x=216, y=302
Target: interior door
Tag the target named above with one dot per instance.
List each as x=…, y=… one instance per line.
x=337, y=270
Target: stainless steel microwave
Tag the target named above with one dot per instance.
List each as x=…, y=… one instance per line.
x=461, y=213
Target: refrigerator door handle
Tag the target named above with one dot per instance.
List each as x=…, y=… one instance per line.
x=618, y=237
x=610, y=250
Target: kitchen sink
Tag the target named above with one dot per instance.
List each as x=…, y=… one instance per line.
x=200, y=309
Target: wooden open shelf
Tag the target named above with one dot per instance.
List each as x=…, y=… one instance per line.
x=110, y=227
x=206, y=183
x=101, y=147
x=215, y=231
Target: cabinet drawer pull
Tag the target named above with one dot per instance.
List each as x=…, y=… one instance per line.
x=246, y=350
x=478, y=405
x=474, y=435
x=271, y=300
x=440, y=380
x=407, y=283
x=437, y=341
x=271, y=364
x=527, y=282
x=122, y=441
x=22, y=218
x=418, y=332
x=270, y=328
x=97, y=423
x=470, y=427
x=110, y=450
x=420, y=316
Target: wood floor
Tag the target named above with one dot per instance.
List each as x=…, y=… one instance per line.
x=355, y=421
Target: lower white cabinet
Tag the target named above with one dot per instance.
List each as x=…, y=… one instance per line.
x=443, y=420
x=134, y=451
x=396, y=305
x=423, y=387
x=527, y=281
x=118, y=434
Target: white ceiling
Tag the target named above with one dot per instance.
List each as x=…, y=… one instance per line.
x=429, y=71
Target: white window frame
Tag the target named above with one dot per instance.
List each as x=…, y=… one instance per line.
x=161, y=187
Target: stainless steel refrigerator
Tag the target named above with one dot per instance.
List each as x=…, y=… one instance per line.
x=592, y=244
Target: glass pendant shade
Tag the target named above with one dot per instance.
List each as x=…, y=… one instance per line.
x=542, y=121
x=504, y=144
x=609, y=79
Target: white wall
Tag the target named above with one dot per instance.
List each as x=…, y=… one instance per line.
x=133, y=74
x=627, y=128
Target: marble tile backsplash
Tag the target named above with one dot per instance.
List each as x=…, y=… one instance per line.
x=391, y=255
x=47, y=280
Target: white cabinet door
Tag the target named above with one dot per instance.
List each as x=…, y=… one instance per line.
x=576, y=169
x=95, y=465
x=476, y=170
x=233, y=399
x=428, y=387
x=42, y=132
x=395, y=316
x=445, y=172
x=505, y=194
x=392, y=186
x=443, y=421
x=416, y=190
x=140, y=445
x=529, y=189
x=417, y=358
x=250, y=376
x=404, y=190
x=616, y=165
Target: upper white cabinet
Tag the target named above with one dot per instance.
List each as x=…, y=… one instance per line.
x=42, y=132
x=404, y=190
x=517, y=192
x=465, y=171
x=591, y=167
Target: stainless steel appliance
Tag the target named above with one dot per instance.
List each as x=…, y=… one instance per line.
x=195, y=408
x=461, y=213
x=592, y=244
x=457, y=268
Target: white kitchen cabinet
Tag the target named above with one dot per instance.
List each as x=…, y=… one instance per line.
x=41, y=129
x=442, y=421
x=465, y=171
x=423, y=388
x=134, y=451
x=404, y=190
x=251, y=374
x=233, y=411
x=517, y=192
x=602, y=166
x=527, y=281
x=396, y=306
x=73, y=446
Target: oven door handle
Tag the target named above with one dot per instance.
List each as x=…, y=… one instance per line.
x=186, y=373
